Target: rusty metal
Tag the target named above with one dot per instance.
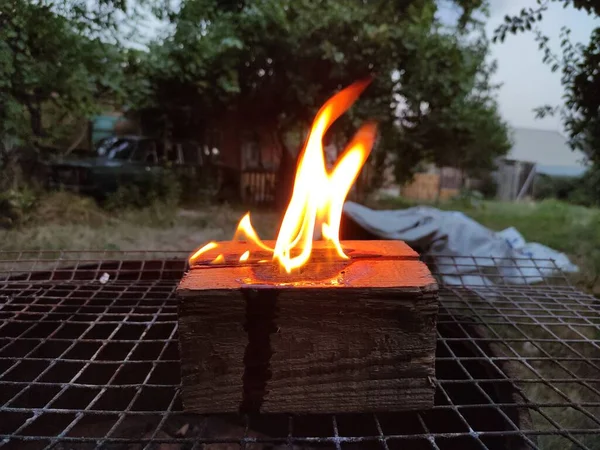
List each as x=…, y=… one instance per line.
x=89, y=359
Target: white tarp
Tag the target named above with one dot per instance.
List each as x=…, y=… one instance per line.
x=462, y=247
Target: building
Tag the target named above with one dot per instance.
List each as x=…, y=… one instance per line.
x=536, y=152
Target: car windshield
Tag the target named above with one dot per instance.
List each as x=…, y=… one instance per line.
x=121, y=149
x=104, y=145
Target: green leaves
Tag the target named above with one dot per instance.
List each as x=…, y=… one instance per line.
x=275, y=61
x=580, y=79
x=232, y=42
x=229, y=82
x=53, y=67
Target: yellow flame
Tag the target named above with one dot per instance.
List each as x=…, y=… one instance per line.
x=218, y=260
x=245, y=228
x=201, y=250
x=318, y=195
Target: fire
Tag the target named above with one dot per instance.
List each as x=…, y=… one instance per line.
x=318, y=196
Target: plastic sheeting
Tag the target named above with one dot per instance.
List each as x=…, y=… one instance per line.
x=465, y=252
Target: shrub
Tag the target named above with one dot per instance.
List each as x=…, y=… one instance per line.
x=15, y=205
x=488, y=187
x=61, y=208
x=200, y=185
x=160, y=188
x=468, y=199
x=572, y=190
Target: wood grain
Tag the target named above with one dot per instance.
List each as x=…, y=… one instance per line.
x=365, y=342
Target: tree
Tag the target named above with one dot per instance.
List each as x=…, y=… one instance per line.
x=60, y=61
x=278, y=60
x=54, y=64
x=451, y=120
x=580, y=78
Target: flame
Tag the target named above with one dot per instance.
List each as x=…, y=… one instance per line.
x=245, y=228
x=318, y=195
x=202, y=250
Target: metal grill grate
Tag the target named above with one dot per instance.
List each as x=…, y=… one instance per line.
x=88, y=364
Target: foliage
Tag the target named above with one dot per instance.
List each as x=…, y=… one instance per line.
x=469, y=199
x=578, y=191
x=560, y=188
x=162, y=190
x=55, y=66
x=272, y=63
x=488, y=186
x=268, y=63
x=460, y=126
x=580, y=78
x=15, y=205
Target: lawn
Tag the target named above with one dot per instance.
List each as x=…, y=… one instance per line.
x=574, y=230
x=66, y=222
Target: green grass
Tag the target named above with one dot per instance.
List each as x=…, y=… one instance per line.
x=574, y=230
x=65, y=221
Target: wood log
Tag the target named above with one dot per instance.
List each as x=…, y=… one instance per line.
x=355, y=335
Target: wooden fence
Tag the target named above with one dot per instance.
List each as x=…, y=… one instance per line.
x=428, y=187
x=257, y=187
x=424, y=187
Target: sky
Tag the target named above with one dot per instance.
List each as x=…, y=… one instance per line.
x=526, y=81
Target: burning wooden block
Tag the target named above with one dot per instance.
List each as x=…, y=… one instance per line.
x=339, y=335
x=300, y=326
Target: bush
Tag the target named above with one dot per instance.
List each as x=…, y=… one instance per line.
x=161, y=188
x=63, y=208
x=568, y=189
x=200, y=185
x=468, y=199
x=488, y=187
x=15, y=205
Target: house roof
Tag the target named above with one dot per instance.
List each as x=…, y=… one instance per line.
x=548, y=149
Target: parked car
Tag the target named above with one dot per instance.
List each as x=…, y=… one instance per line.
x=121, y=160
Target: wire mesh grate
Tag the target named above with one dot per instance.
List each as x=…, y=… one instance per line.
x=89, y=360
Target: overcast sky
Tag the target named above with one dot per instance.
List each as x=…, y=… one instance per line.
x=527, y=82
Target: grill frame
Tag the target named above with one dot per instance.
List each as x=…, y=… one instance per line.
x=536, y=343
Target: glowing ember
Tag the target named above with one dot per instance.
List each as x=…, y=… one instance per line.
x=318, y=196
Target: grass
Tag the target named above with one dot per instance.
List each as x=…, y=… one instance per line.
x=574, y=230
x=63, y=221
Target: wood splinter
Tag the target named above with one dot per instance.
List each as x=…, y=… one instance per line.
x=340, y=336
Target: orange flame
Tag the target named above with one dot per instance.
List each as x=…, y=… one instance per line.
x=202, y=250
x=318, y=195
